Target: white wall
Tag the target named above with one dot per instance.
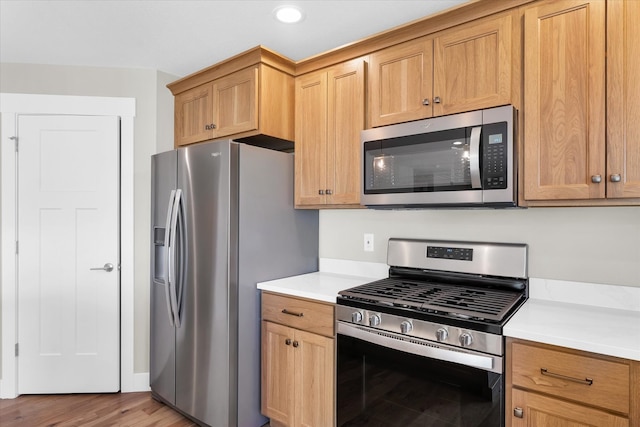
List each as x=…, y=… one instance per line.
x=592, y=244
x=153, y=132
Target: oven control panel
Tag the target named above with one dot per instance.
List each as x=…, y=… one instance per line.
x=462, y=254
x=422, y=329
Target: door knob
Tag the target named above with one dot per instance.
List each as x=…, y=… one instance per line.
x=107, y=267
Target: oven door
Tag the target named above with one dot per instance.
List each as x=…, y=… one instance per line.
x=379, y=385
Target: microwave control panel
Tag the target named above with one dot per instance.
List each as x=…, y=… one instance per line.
x=494, y=156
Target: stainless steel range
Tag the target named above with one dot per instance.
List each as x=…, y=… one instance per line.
x=425, y=346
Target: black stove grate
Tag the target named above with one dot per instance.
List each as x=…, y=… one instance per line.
x=462, y=301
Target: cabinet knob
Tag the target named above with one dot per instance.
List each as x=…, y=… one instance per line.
x=295, y=344
x=596, y=179
x=287, y=341
x=321, y=192
x=425, y=101
x=211, y=126
x=518, y=412
x=616, y=177
x=436, y=100
x=328, y=192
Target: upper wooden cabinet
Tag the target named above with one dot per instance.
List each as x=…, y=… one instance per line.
x=401, y=82
x=564, y=100
x=465, y=68
x=250, y=95
x=623, y=99
x=330, y=114
x=581, y=142
x=473, y=66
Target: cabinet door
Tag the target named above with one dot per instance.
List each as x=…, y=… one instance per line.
x=623, y=99
x=472, y=66
x=541, y=411
x=564, y=104
x=235, y=100
x=311, y=139
x=401, y=80
x=194, y=115
x=345, y=121
x=314, y=372
x=277, y=377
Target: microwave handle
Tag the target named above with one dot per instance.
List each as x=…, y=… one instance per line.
x=474, y=157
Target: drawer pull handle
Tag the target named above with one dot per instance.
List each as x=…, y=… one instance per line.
x=292, y=313
x=586, y=381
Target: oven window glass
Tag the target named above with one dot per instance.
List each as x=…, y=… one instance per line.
x=378, y=386
x=437, y=161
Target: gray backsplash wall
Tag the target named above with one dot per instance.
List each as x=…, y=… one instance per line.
x=592, y=244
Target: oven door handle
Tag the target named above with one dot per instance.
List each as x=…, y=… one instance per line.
x=398, y=342
x=474, y=157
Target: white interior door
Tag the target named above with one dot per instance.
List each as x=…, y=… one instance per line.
x=68, y=306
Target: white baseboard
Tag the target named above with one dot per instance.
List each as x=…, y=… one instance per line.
x=140, y=383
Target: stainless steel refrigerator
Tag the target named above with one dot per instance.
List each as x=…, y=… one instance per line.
x=222, y=220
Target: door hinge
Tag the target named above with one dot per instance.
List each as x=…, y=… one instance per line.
x=15, y=140
x=16, y=247
x=17, y=350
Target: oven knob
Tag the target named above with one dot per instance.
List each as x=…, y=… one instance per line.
x=374, y=320
x=442, y=334
x=356, y=317
x=406, y=327
x=465, y=339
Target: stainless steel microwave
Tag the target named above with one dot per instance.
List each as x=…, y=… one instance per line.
x=465, y=160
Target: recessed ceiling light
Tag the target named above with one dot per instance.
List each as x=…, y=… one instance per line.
x=288, y=14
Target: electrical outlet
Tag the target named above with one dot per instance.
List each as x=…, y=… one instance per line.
x=368, y=242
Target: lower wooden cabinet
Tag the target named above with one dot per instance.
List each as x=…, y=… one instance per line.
x=555, y=386
x=541, y=411
x=298, y=366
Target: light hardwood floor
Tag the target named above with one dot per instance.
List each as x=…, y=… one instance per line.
x=89, y=410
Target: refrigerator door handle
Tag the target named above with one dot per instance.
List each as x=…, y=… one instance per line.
x=172, y=262
x=167, y=256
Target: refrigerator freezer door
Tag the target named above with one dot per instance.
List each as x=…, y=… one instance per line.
x=162, y=340
x=202, y=349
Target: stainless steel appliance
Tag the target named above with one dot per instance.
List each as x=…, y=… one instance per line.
x=222, y=220
x=425, y=346
x=465, y=159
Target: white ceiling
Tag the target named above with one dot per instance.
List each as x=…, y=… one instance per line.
x=180, y=37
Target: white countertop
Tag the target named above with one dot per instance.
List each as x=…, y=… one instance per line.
x=597, y=318
x=321, y=286
x=324, y=285
x=607, y=320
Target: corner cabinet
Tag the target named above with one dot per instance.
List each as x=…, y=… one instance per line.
x=298, y=362
x=465, y=68
x=330, y=113
x=581, y=80
x=249, y=95
x=550, y=385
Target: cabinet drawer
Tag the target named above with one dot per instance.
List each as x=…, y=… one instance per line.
x=568, y=375
x=302, y=314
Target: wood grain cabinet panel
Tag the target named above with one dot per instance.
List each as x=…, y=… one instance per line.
x=564, y=89
x=401, y=82
x=581, y=141
x=194, y=115
x=465, y=68
x=555, y=386
x=330, y=113
x=623, y=99
x=249, y=97
x=542, y=411
x=473, y=66
x=298, y=366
